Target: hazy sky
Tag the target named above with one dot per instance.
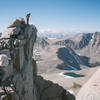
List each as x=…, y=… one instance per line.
x=54, y=15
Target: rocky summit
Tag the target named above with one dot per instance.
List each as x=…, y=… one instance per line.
x=18, y=71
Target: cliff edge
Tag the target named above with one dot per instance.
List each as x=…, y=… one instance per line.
x=18, y=72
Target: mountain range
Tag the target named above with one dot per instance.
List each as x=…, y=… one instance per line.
x=87, y=45
x=77, y=52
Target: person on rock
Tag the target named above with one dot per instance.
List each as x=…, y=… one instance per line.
x=27, y=17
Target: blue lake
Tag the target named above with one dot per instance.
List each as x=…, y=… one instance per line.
x=72, y=74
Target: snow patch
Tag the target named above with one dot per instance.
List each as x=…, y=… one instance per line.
x=72, y=67
x=71, y=91
x=51, y=38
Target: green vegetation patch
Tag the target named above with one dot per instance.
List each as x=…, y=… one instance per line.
x=76, y=85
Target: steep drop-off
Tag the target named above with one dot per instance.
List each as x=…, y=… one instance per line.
x=18, y=71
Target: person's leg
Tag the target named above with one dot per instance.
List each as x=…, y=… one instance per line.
x=27, y=20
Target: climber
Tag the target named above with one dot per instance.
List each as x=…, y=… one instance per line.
x=27, y=17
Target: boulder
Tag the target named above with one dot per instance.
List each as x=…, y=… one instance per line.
x=17, y=23
x=15, y=28
x=3, y=60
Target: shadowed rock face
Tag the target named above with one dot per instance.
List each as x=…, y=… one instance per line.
x=50, y=91
x=70, y=59
x=19, y=79
x=84, y=45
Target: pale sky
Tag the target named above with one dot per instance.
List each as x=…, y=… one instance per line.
x=54, y=15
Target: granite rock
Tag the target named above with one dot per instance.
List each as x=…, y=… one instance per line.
x=20, y=80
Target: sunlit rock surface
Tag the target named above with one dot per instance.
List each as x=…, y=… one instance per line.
x=91, y=90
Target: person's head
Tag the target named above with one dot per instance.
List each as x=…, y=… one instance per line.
x=28, y=14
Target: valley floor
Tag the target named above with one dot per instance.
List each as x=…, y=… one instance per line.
x=70, y=83
x=47, y=67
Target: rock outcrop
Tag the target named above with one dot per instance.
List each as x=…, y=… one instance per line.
x=16, y=46
x=90, y=90
x=18, y=72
